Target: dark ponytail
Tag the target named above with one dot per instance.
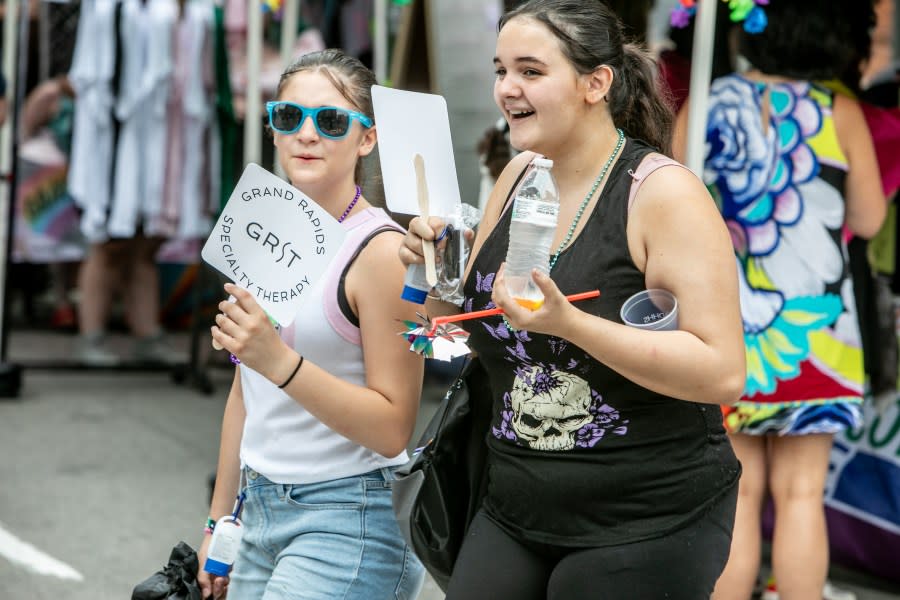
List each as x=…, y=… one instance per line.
x=590, y=36
x=637, y=104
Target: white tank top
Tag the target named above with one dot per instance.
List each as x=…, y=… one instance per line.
x=283, y=441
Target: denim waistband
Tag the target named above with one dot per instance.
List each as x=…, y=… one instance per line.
x=252, y=478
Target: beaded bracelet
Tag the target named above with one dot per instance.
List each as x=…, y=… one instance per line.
x=210, y=525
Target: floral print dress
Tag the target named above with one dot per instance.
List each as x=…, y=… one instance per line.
x=774, y=166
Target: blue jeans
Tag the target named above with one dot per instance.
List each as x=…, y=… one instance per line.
x=330, y=540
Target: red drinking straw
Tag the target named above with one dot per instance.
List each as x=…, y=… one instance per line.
x=437, y=321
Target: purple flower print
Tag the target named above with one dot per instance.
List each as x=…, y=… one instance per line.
x=518, y=352
x=484, y=283
x=544, y=381
x=505, y=431
x=588, y=436
x=558, y=345
x=498, y=330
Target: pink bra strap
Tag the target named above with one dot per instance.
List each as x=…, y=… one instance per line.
x=650, y=164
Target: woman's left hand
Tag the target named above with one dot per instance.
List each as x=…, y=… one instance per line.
x=244, y=329
x=549, y=319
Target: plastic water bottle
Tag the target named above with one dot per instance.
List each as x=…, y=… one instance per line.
x=531, y=232
x=224, y=546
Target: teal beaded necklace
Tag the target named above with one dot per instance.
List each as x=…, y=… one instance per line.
x=587, y=198
x=581, y=209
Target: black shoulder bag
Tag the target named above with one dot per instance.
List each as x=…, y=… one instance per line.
x=438, y=491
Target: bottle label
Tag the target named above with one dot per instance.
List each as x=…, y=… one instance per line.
x=535, y=212
x=224, y=545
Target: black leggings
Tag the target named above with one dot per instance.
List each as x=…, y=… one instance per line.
x=683, y=565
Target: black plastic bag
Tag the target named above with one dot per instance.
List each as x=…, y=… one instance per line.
x=176, y=581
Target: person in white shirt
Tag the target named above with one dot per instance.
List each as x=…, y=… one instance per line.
x=320, y=412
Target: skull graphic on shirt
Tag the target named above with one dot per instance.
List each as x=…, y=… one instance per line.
x=549, y=408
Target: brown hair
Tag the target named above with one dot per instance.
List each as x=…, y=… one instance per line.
x=590, y=35
x=352, y=79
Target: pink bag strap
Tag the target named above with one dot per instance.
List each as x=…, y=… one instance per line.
x=651, y=163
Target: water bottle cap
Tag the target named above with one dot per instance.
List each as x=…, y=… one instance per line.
x=411, y=294
x=544, y=163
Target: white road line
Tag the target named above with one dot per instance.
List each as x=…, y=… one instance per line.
x=22, y=553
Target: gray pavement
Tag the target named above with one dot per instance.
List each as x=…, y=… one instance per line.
x=105, y=471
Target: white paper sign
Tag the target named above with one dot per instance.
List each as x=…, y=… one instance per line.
x=274, y=241
x=411, y=123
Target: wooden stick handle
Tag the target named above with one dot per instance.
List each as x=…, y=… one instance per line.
x=427, y=245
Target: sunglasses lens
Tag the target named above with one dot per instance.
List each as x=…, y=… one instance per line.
x=333, y=122
x=285, y=117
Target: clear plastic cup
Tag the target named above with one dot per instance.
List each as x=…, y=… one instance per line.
x=653, y=309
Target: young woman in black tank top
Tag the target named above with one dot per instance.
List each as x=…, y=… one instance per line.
x=638, y=501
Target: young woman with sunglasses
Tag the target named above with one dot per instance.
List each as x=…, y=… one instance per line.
x=320, y=412
x=609, y=474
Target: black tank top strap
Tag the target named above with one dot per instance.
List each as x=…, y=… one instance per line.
x=343, y=302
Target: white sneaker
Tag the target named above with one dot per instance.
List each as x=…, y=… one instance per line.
x=155, y=349
x=90, y=349
x=831, y=592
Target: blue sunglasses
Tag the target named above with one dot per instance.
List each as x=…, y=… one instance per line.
x=330, y=121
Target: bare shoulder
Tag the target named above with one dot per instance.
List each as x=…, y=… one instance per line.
x=673, y=210
x=375, y=279
x=845, y=108
x=849, y=120
x=382, y=250
x=669, y=186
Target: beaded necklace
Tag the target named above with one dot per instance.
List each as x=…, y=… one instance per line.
x=580, y=212
x=587, y=199
x=351, y=205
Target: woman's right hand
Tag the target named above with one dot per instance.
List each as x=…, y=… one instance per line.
x=211, y=586
x=418, y=230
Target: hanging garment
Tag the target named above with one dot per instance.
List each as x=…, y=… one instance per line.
x=146, y=42
x=192, y=169
x=227, y=134
x=91, y=75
